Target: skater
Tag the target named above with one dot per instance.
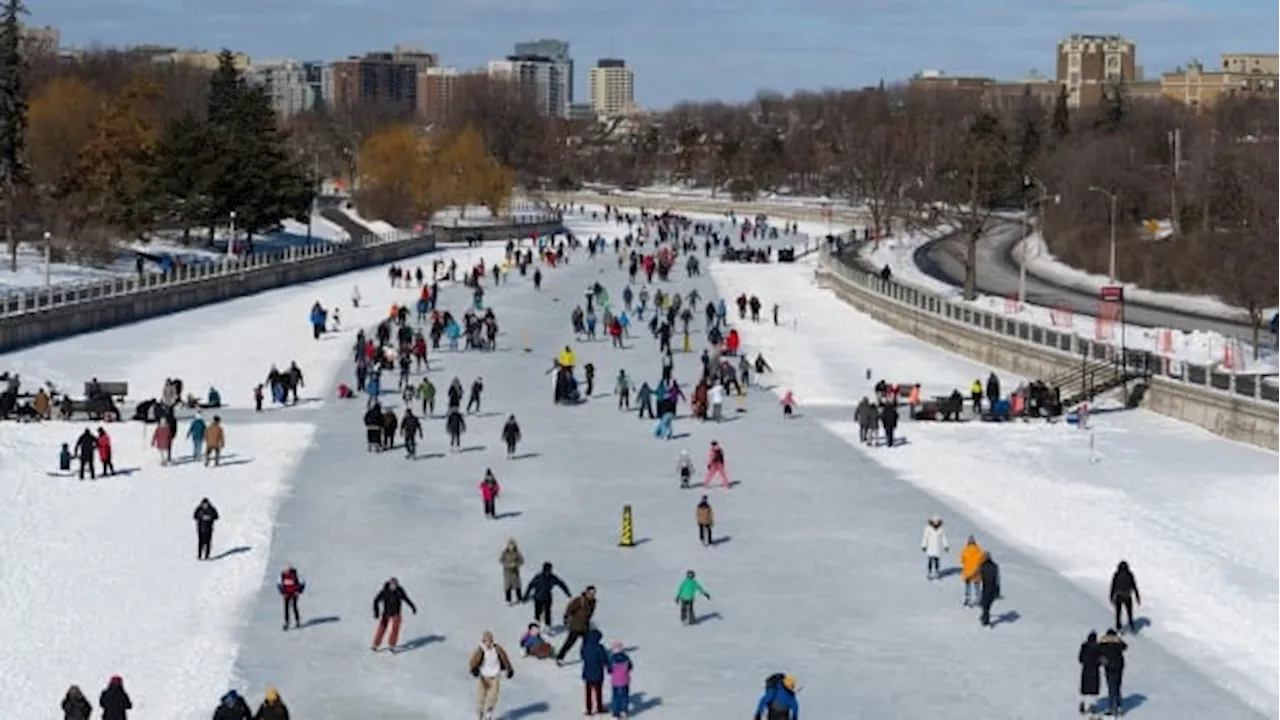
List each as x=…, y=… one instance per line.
x=1124, y=593
x=75, y=706
x=644, y=401
x=489, y=491
x=595, y=660
x=511, y=560
x=386, y=610
x=511, y=435
x=272, y=707
x=215, y=438
x=86, y=448
x=715, y=396
x=715, y=466
x=427, y=394
x=779, y=700
x=970, y=561
x=114, y=701
x=889, y=421
x=205, y=516
x=623, y=389
x=473, y=398
x=577, y=619
x=989, y=573
x=534, y=644
x=104, y=453
x=933, y=544
x=706, y=518
x=196, y=431
x=64, y=459
x=620, y=668
x=1111, y=654
x=455, y=425
x=788, y=403
x=290, y=587
x=1090, y=659
x=867, y=419
x=488, y=664
x=688, y=591
x=684, y=466
x=232, y=707
x=540, y=588
x=411, y=429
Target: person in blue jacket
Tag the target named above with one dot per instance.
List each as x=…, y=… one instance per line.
x=214, y=398
x=195, y=432
x=779, y=699
x=317, y=320
x=595, y=660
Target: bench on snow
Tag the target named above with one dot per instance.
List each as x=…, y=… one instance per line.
x=114, y=389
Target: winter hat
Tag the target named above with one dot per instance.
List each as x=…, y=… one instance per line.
x=616, y=646
x=789, y=682
x=115, y=680
x=272, y=695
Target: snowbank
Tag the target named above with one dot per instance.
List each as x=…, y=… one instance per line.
x=1193, y=514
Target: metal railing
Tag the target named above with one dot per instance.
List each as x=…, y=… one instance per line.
x=1066, y=343
x=65, y=294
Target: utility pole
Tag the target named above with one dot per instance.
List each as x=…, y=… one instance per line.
x=1175, y=149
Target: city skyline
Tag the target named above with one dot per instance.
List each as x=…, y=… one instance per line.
x=712, y=52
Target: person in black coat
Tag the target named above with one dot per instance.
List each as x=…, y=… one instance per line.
x=455, y=425
x=386, y=610
x=114, y=701
x=540, y=589
x=205, y=516
x=75, y=706
x=1124, y=592
x=232, y=707
x=1111, y=652
x=989, y=573
x=86, y=447
x=889, y=421
x=1090, y=660
x=373, y=428
x=511, y=435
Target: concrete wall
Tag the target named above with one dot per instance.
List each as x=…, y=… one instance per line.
x=799, y=213
x=233, y=280
x=1240, y=419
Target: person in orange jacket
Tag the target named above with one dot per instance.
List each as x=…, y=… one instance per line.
x=970, y=561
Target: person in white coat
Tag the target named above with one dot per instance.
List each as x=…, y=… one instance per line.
x=684, y=466
x=933, y=544
x=715, y=398
x=355, y=296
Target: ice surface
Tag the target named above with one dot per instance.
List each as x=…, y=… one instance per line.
x=1192, y=513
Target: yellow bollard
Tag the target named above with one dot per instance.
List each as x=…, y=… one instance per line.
x=688, y=344
x=627, y=538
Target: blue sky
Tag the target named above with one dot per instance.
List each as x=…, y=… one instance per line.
x=704, y=49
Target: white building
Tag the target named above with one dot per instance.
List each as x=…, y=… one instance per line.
x=546, y=78
x=286, y=83
x=611, y=87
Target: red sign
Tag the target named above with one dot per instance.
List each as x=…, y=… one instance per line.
x=1112, y=293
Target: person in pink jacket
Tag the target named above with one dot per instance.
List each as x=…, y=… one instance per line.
x=620, y=680
x=489, y=491
x=715, y=466
x=162, y=440
x=788, y=404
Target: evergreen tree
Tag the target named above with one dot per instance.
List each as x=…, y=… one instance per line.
x=14, y=171
x=1061, y=125
x=184, y=158
x=1111, y=119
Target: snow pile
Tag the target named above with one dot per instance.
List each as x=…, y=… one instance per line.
x=1192, y=513
x=377, y=227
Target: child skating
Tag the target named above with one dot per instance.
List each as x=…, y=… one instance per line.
x=788, y=403
x=688, y=591
x=489, y=491
x=620, y=667
x=684, y=466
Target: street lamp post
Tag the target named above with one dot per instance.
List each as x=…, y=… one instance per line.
x=1111, y=264
x=48, y=257
x=231, y=240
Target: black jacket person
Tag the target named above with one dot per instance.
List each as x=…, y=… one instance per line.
x=1111, y=652
x=1124, y=591
x=455, y=425
x=511, y=435
x=386, y=610
x=989, y=572
x=205, y=516
x=540, y=588
x=86, y=446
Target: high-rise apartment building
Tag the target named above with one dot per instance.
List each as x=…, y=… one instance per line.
x=39, y=40
x=546, y=79
x=612, y=87
x=436, y=90
x=557, y=51
x=378, y=77
x=314, y=74
x=1089, y=64
x=285, y=83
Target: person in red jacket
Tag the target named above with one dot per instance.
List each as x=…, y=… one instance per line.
x=290, y=587
x=104, y=452
x=715, y=466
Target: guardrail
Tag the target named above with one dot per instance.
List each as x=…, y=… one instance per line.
x=64, y=294
x=1250, y=387
x=801, y=213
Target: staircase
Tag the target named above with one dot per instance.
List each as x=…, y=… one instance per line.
x=1090, y=380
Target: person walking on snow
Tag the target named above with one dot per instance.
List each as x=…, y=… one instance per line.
x=205, y=516
x=684, y=466
x=86, y=448
x=970, y=560
x=232, y=707
x=539, y=590
x=779, y=700
x=715, y=397
x=1090, y=658
x=989, y=573
x=290, y=587
x=577, y=618
x=455, y=425
x=75, y=706
x=195, y=433
x=620, y=667
x=386, y=610
x=644, y=401
x=473, y=398
x=411, y=429
x=114, y=701
x=489, y=491
x=706, y=518
x=104, y=453
x=511, y=435
x=272, y=707
x=427, y=394
x=622, y=387
x=488, y=664
x=215, y=438
x=688, y=591
x=595, y=660
x=1124, y=592
x=715, y=466
x=788, y=403
x=933, y=544
x=511, y=560
x=1111, y=653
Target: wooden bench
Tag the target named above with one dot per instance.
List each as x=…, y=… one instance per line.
x=115, y=389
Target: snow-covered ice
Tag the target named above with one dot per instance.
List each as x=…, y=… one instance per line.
x=1192, y=513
